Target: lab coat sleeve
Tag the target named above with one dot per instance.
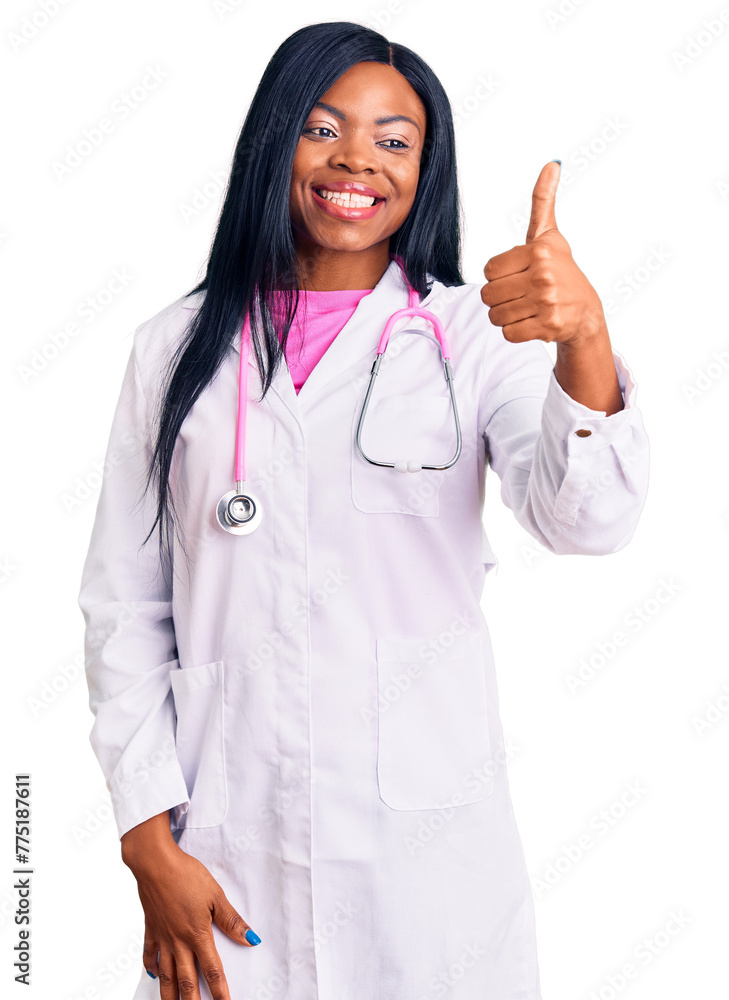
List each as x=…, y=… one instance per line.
x=129, y=640
x=575, y=493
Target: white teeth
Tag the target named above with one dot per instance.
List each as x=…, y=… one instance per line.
x=348, y=199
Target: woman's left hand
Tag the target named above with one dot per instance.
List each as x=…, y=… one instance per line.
x=536, y=291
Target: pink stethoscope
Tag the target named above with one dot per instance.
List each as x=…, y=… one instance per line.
x=239, y=512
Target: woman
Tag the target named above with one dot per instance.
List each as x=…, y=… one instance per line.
x=299, y=727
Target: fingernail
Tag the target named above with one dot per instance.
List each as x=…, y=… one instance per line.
x=252, y=937
x=557, y=161
x=151, y=974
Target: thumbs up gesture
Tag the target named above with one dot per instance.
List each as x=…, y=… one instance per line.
x=536, y=291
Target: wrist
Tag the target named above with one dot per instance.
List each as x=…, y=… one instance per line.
x=147, y=843
x=593, y=332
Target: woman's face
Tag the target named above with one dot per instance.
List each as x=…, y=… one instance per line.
x=363, y=140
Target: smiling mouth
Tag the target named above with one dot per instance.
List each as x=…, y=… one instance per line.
x=348, y=199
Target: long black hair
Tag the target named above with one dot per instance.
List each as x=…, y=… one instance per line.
x=253, y=249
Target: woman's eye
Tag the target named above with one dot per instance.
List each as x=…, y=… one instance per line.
x=318, y=128
x=319, y=131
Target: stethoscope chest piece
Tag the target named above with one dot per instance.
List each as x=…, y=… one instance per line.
x=239, y=513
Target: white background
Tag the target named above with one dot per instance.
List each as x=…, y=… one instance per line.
x=656, y=179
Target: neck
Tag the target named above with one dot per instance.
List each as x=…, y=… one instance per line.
x=322, y=270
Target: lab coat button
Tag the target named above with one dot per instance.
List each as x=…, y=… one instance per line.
x=583, y=432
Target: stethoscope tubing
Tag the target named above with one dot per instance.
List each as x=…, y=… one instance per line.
x=240, y=433
x=412, y=310
x=235, y=500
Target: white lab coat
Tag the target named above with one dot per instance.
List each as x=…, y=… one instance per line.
x=315, y=703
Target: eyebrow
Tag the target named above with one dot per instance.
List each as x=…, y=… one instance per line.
x=385, y=120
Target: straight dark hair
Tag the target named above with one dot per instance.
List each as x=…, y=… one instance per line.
x=253, y=249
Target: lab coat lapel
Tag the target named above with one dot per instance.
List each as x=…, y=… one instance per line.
x=359, y=337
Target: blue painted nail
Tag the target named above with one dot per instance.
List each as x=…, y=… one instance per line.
x=151, y=974
x=252, y=937
x=557, y=161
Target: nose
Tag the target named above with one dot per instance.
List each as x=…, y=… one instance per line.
x=356, y=153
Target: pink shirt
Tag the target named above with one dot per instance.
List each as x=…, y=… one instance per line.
x=319, y=318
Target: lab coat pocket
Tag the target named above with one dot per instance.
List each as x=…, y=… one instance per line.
x=414, y=426
x=433, y=746
x=198, y=695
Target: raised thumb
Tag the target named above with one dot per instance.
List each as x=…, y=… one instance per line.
x=545, y=190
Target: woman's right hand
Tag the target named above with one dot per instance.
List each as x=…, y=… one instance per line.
x=180, y=899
